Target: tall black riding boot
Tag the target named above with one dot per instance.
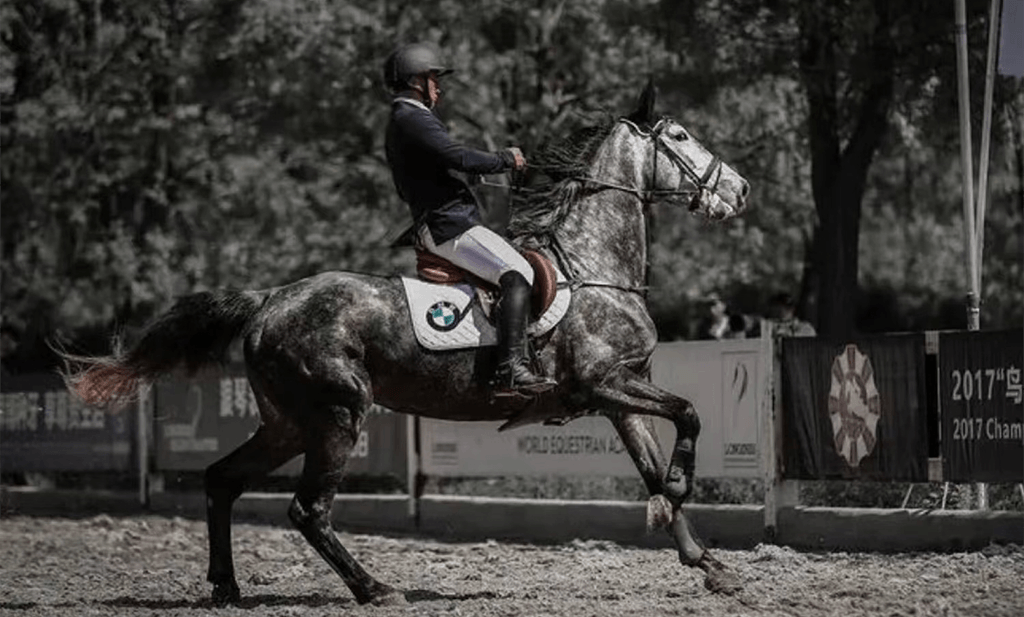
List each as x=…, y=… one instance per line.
x=513, y=373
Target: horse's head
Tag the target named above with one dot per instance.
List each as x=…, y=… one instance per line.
x=682, y=167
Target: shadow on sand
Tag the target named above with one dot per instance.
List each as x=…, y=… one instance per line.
x=250, y=602
x=310, y=601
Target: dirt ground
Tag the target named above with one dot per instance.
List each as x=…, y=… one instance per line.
x=157, y=566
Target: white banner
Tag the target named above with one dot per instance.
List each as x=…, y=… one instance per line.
x=725, y=380
x=587, y=446
x=1011, y=43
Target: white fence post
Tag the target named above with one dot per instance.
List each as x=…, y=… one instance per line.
x=982, y=495
x=767, y=412
x=413, y=469
x=778, y=493
x=142, y=446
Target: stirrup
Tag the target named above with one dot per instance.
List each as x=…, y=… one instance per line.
x=505, y=380
x=524, y=390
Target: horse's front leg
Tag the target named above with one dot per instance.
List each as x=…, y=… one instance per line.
x=627, y=393
x=665, y=509
x=669, y=484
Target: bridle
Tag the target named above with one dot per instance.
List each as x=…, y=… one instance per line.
x=702, y=182
x=702, y=185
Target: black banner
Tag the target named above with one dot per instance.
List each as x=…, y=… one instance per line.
x=200, y=420
x=982, y=405
x=855, y=410
x=44, y=428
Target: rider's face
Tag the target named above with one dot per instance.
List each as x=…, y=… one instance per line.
x=428, y=88
x=433, y=89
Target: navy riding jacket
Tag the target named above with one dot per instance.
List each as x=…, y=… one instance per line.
x=422, y=156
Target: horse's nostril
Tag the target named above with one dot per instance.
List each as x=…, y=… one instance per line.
x=745, y=189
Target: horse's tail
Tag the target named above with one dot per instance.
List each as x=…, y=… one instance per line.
x=195, y=332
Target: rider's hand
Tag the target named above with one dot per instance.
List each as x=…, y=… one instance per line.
x=520, y=163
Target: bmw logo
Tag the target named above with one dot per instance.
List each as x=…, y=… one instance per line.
x=443, y=316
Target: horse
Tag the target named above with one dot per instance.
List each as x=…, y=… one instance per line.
x=320, y=351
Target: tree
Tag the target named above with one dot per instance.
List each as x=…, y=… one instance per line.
x=839, y=170
x=859, y=64
x=154, y=149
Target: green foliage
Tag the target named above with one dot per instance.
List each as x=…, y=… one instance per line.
x=151, y=149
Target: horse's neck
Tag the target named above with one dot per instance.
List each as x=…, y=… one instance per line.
x=605, y=231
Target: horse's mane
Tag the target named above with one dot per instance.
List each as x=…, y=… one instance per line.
x=541, y=209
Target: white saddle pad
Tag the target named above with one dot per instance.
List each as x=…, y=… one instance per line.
x=449, y=316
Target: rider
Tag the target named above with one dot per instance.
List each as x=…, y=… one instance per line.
x=445, y=212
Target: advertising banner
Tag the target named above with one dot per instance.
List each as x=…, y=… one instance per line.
x=981, y=398
x=584, y=447
x=44, y=428
x=855, y=410
x=201, y=420
x=725, y=380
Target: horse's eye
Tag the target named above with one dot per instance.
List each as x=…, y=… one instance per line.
x=681, y=136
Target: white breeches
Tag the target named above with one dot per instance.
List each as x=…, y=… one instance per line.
x=480, y=251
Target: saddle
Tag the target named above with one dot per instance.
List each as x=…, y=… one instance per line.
x=435, y=269
x=451, y=308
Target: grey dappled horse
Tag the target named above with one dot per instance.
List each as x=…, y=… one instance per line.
x=320, y=351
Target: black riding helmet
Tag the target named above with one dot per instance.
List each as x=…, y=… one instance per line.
x=409, y=61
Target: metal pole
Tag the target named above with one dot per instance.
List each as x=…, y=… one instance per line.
x=986, y=132
x=966, y=157
x=906, y=498
x=979, y=228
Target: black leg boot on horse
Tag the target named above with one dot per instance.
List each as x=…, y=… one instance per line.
x=514, y=376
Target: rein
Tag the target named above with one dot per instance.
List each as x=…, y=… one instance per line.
x=574, y=282
x=559, y=252
x=701, y=186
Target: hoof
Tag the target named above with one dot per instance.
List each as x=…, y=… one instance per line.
x=388, y=596
x=720, y=580
x=226, y=593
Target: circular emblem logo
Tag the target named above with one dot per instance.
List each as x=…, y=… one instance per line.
x=854, y=405
x=443, y=316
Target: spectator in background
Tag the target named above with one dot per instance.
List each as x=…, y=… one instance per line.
x=782, y=313
x=721, y=323
x=718, y=324
x=9, y=340
x=738, y=326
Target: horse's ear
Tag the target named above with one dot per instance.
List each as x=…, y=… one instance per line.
x=644, y=112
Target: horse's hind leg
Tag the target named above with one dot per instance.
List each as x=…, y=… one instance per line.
x=329, y=438
x=637, y=434
x=270, y=447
